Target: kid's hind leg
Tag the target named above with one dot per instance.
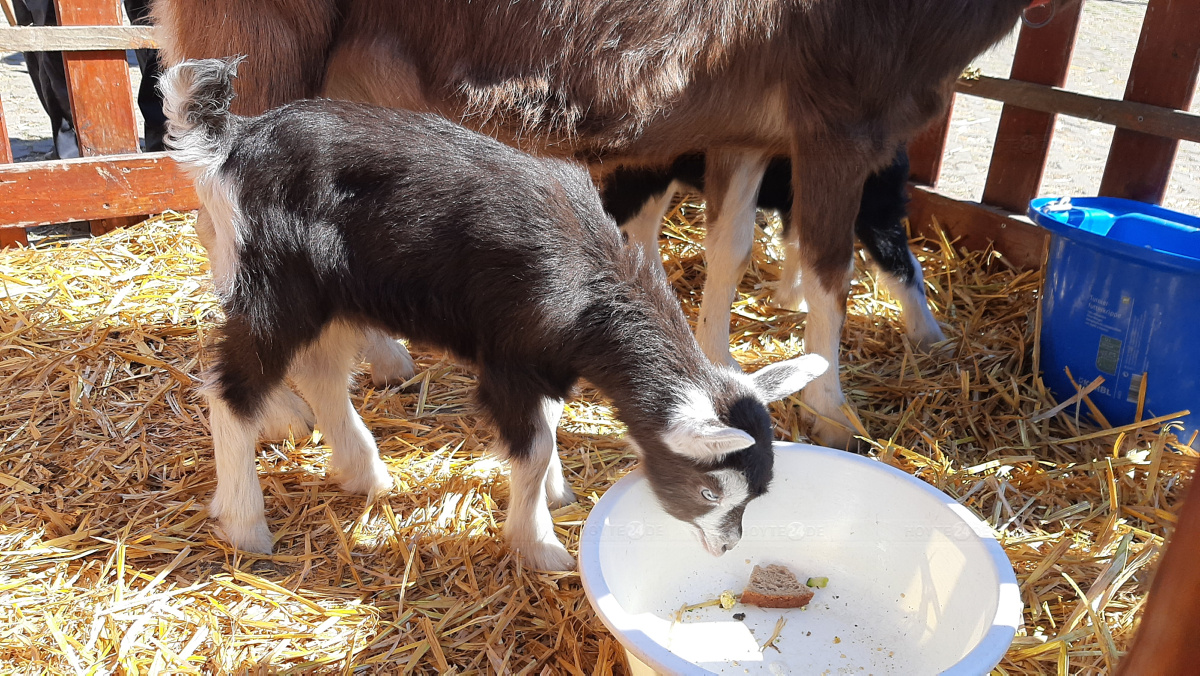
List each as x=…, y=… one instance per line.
x=237, y=504
x=239, y=396
x=321, y=372
x=391, y=364
x=284, y=414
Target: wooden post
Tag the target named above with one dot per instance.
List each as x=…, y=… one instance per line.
x=9, y=236
x=1023, y=139
x=926, y=150
x=1163, y=74
x=1168, y=638
x=5, y=148
x=101, y=92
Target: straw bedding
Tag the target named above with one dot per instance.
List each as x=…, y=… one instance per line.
x=109, y=565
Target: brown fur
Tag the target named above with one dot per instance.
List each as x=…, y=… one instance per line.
x=838, y=84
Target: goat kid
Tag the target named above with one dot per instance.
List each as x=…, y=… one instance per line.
x=638, y=198
x=331, y=216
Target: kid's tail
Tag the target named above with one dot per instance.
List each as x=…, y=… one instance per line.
x=196, y=98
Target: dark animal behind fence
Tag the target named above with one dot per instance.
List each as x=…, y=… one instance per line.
x=330, y=216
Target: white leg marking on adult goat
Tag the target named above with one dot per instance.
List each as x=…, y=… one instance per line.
x=919, y=322
x=644, y=228
x=789, y=294
x=727, y=247
x=822, y=335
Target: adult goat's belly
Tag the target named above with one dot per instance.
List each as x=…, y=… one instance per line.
x=538, y=114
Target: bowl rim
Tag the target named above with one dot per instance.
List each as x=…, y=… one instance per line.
x=980, y=660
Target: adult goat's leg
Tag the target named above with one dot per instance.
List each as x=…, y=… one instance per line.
x=643, y=229
x=880, y=227
x=827, y=179
x=731, y=185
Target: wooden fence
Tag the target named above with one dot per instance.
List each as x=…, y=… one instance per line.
x=113, y=182
x=1150, y=121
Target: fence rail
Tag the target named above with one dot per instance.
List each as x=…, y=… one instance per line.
x=113, y=181
x=75, y=38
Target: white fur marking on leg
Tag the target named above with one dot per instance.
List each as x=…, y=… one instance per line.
x=391, y=364
x=321, y=372
x=822, y=335
x=643, y=229
x=727, y=247
x=789, y=295
x=284, y=414
x=919, y=323
x=238, y=501
x=529, y=527
x=558, y=491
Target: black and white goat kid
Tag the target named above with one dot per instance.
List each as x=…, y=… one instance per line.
x=330, y=217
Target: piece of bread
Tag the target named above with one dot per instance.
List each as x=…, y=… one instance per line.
x=775, y=587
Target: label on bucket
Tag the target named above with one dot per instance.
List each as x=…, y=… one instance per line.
x=1109, y=355
x=1123, y=349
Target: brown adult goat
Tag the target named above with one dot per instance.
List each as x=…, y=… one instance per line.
x=837, y=84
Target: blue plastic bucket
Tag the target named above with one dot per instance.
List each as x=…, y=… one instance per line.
x=1122, y=299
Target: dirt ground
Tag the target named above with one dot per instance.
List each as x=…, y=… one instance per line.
x=1104, y=51
x=1104, y=48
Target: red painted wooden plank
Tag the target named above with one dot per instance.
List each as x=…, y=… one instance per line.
x=117, y=186
x=926, y=150
x=1023, y=138
x=1164, y=72
x=5, y=147
x=978, y=226
x=101, y=91
x=1168, y=638
x=12, y=237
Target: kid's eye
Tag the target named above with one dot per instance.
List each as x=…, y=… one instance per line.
x=708, y=495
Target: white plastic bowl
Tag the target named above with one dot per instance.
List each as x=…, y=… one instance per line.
x=917, y=584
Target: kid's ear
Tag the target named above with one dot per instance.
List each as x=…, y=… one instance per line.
x=705, y=441
x=777, y=381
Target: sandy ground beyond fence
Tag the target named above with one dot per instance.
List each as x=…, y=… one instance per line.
x=1104, y=51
